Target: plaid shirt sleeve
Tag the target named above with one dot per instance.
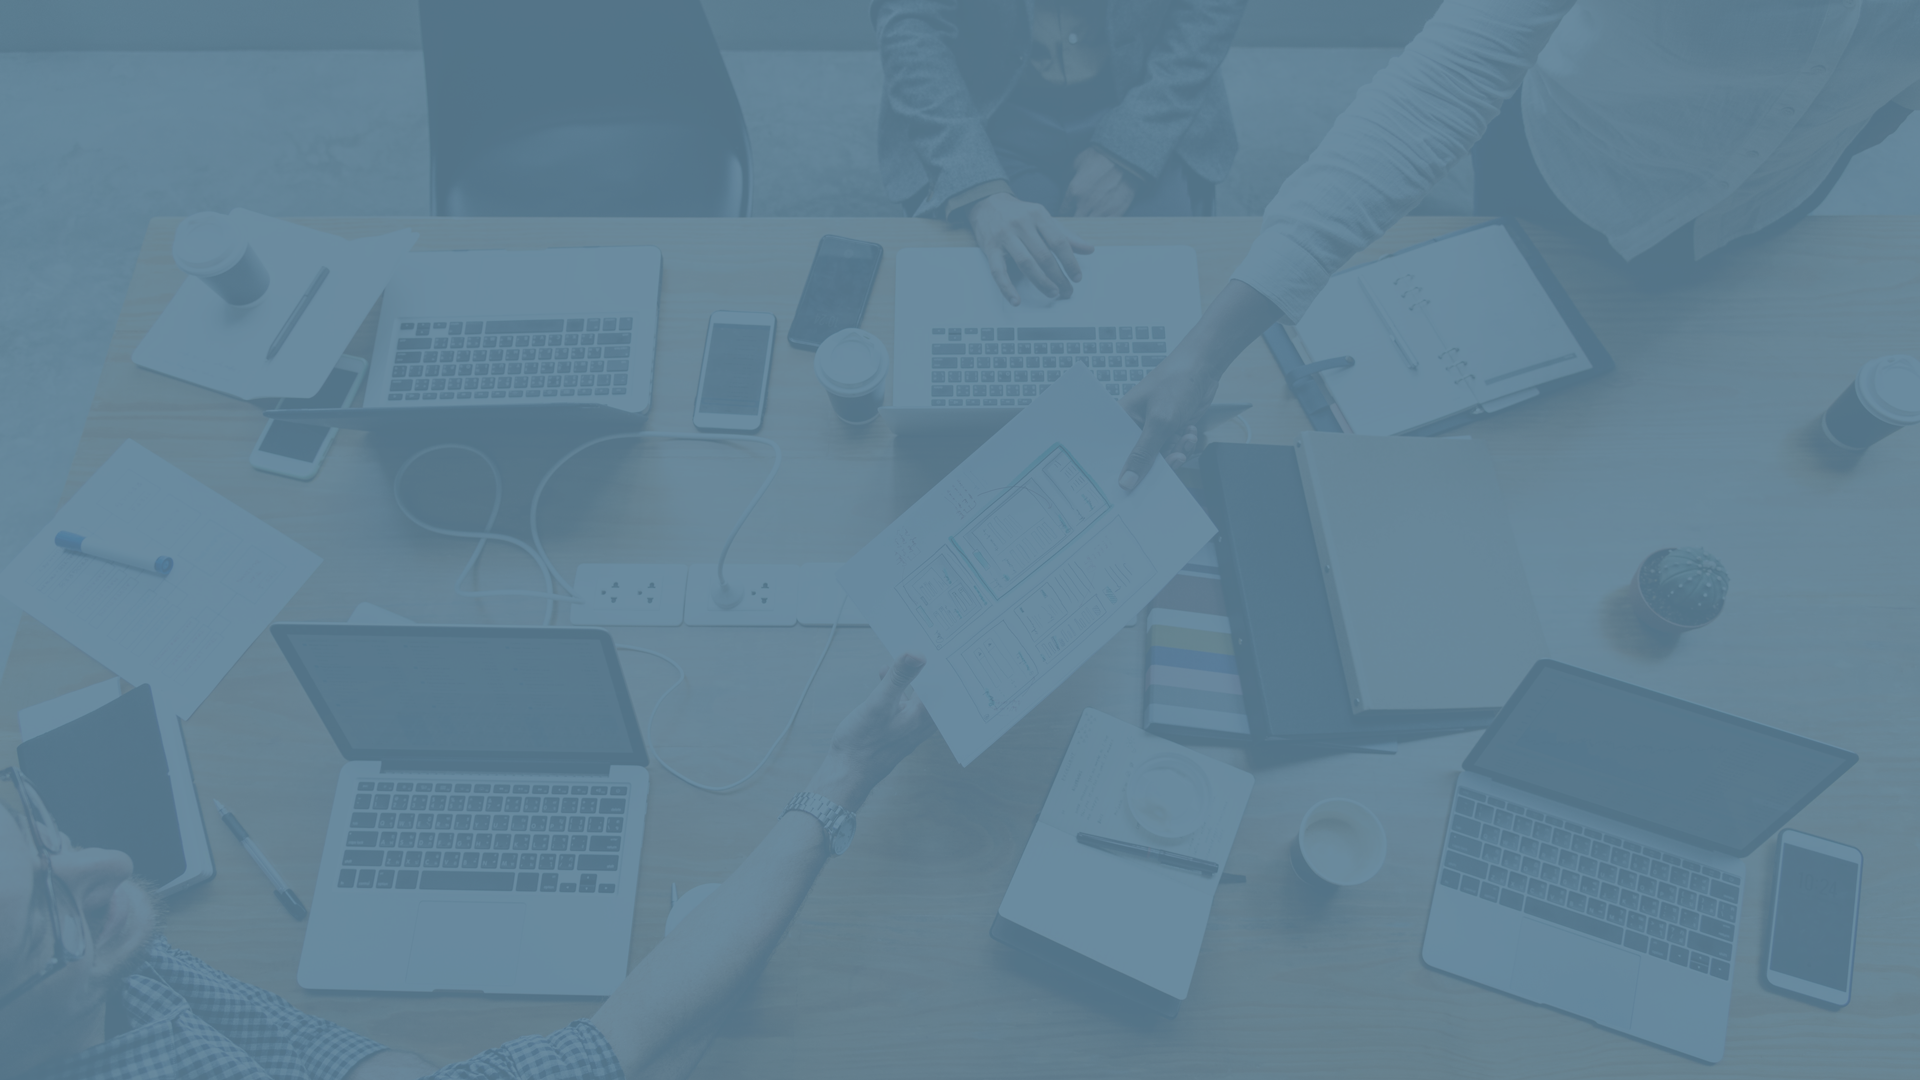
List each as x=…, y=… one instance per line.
x=575, y=1052
x=285, y=1041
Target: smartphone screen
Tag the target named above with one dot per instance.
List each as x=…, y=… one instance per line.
x=1815, y=902
x=736, y=369
x=835, y=295
x=302, y=442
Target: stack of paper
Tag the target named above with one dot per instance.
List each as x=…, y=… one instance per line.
x=232, y=574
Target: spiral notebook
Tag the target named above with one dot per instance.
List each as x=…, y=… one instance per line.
x=1439, y=334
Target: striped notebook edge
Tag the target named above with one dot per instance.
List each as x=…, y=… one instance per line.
x=1193, y=680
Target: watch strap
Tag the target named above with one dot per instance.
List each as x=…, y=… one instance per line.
x=830, y=814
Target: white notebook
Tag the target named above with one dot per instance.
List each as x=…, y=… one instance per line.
x=1430, y=601
x=1461, y=325
x=1143, y=920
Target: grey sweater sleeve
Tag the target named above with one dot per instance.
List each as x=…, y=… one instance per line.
x=924, y=87
x=1142, y=131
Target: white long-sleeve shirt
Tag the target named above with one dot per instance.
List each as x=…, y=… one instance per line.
x=1643, y=115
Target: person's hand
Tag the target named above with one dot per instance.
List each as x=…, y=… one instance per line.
x=875, y=736
x=1099, y=187
x=1009, y=230
x=1167, y=406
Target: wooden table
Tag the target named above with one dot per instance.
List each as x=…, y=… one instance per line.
x=1702, y=436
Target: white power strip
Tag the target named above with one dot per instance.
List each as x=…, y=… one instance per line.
x=671, y=594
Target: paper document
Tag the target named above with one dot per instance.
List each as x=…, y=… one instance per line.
x=208, y=342
x=1024, y=561
x=1141, y=918
x=232, y=574
x=36, y=720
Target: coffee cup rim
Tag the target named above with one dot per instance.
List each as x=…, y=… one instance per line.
x=845, y=342
x=1377, y=836
x=236, y=249
x=1872, y=393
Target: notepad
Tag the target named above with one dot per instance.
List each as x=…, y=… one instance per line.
x=1430, y=602
x=208, y=342
x=1131, y=924
x=181, y=633
x=1445, y=331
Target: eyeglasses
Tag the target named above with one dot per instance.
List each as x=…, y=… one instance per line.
x=70, y=936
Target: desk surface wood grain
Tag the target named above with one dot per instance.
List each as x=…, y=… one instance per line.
x=1704, y=435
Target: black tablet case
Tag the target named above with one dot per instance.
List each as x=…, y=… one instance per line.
x=105, y=778
x=1291, y=675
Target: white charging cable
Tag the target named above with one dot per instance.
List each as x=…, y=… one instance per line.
x=646, y=730
x=725, y=594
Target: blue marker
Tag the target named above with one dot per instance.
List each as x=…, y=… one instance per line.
x=125, y=556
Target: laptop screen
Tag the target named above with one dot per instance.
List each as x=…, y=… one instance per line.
x=467, y=693
x=1705, y=777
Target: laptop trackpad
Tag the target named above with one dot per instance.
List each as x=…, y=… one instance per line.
x=1568, y=971
x=467, y=946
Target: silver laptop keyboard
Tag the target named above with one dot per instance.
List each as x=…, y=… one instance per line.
x=1630, y=894
x=468, y=836
x=1006, y=365
x=472, y=359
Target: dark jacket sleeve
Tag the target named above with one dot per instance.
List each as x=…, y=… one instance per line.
x=928, y=104
x=1183, y=66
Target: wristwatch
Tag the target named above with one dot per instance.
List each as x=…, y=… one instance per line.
x=835, y=820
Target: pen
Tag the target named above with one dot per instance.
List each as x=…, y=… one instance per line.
x=293, y=317
x=114, y=553
x=280, y=888
x=1159, y=855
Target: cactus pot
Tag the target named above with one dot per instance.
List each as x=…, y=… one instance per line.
x=1648, y=613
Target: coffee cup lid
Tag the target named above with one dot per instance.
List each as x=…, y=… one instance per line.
x=851, y=363
x=208, y=244
x=1890, y=389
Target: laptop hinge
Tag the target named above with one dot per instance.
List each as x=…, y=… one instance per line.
x=548, y=768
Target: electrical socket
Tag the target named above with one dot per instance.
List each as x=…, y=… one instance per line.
x=770, y=595
x=629, y=594
x=821, y=597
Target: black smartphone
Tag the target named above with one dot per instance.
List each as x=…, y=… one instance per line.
x=1816, y=910
x=835, y=296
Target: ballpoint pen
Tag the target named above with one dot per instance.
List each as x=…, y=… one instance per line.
x=299, y=309
x=1160, y=855
x=280, y=888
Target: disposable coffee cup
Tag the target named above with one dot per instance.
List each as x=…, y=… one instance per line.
x=1340, y=842
x=214, y=248
x=852, y=365
x=1882, y=399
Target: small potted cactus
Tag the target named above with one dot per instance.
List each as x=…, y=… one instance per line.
x=1679, y=589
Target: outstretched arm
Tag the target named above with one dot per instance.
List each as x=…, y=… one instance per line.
x=662, y=1017
x=1404, y=130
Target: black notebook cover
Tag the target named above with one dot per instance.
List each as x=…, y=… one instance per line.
x=105, y=778
x=1291, y=675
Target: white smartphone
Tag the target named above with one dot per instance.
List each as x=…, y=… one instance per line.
x=1816, y=914
x=287, y=448
x=733, y=372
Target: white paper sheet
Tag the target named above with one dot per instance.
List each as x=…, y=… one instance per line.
x=37, y=720
x=208, y=342
x=232, y=574
x=1140, y=918
x=1024, y=561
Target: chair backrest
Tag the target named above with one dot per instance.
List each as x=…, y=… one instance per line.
x=501, y=71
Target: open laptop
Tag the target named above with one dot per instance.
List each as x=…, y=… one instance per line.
x=964, y=358
x=485, y=832
x=510, y=335
x=1594, y=847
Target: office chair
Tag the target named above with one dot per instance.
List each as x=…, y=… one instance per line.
x=581, y=108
